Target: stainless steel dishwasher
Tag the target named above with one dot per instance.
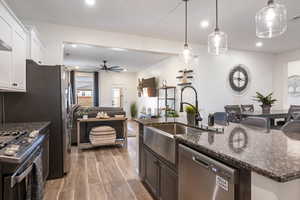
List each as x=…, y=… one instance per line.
x=202, y=178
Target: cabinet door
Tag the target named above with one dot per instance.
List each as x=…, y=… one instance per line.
x=5, y=31
x=152, y=171
x=19, y=61
x=5, y=56
x=169, y=183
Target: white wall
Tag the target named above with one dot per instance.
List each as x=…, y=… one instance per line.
x=211, y=77
x=127, y=81
x=280, y=76
x=211, y=73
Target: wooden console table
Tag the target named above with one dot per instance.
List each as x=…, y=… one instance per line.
x=89, y=145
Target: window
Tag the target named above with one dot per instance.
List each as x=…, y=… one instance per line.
x=84, y=83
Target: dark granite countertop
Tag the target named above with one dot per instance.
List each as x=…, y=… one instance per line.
x=27, y=126
x=273, y=154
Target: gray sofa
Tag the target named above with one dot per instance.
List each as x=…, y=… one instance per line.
x=78, y=111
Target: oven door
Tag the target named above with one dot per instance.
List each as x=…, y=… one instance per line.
x=19, y=185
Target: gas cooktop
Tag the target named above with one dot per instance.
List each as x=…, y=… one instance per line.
x=14, y=145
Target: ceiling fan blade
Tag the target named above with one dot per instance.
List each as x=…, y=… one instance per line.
x=115, y=67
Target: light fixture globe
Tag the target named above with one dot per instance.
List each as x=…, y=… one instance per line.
x=187, y=55
x=271, y=21
x=217, y=43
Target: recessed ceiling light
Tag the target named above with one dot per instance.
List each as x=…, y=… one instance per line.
x=259, y=44
x=118, y=49
x=204, y=24
x=90, y=2
x=77, y=67
x=124, y=70
x=74, y=45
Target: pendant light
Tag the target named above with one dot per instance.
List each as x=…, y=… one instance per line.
x=271, y=21
x=217, y=40
x=186, y=54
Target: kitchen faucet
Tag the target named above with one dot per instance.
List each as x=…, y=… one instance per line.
x=196, y=107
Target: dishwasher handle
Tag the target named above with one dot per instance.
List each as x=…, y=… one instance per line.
x=201, y=162
x=209, y=163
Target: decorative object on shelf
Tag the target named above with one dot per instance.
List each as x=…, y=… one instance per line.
x=271, y=21
x=172, y=113
x=267, y=101
x=294, y=86
x=102, y=115
x=190, y=114
x=239, y=79
x=185, y=77
x=167, y=101
x=187, y=54
x=133, y=110
x=217, y=40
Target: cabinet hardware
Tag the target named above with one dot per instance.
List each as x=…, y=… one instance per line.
x=15, y=84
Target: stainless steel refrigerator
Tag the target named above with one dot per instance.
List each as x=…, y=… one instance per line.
x=48, y=98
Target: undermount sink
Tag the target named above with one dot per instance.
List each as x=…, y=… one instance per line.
x=160, y=138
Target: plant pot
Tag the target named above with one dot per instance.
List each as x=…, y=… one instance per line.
x=266, y=108
x=191, y=119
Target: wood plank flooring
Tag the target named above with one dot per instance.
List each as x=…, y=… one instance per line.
x=107, y=173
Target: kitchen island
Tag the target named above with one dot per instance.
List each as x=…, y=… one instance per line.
x=269, y=160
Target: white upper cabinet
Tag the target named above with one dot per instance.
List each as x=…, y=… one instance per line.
x=18, y=80
x=13, y=51
x=36, y=46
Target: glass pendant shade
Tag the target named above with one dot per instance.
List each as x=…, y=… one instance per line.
x=187, y=56
x=271, y=21
x=217, y=43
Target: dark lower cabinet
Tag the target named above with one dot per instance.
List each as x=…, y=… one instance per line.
x=159, y=178
x=168, y=184
x=152, y=171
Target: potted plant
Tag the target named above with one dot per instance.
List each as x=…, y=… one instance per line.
x=191, y=115
x=266, y=101
x=133, y=110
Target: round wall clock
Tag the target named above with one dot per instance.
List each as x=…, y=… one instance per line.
x=238, y=78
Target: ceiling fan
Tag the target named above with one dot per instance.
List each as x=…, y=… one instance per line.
x=104, y=67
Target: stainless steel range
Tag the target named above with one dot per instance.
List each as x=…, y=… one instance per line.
x=24, y=160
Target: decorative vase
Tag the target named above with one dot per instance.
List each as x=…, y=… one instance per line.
x=266, y=108
x=191, y=119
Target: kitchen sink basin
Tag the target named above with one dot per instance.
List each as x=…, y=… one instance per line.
x=160, y=138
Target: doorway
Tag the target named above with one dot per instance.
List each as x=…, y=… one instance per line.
x=293, y=83
x=117, y=97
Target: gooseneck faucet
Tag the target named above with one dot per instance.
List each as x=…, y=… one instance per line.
x=196, y=107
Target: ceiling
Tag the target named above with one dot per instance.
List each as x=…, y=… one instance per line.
x=156, y=18
x=88, y=57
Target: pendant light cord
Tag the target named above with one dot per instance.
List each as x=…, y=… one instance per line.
x=217, y=16
x=186, y=23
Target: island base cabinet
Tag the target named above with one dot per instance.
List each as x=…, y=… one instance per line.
x=152, y=173
x=159, y=178
x=168, y=184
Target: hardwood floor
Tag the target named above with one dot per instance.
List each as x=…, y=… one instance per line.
x=107, y=173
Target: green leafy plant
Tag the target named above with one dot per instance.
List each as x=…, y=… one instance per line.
x=265, y=100
x=133, y=110
x=190, y=110
x=172, y=113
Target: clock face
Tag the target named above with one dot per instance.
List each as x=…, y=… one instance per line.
x=238, y=78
